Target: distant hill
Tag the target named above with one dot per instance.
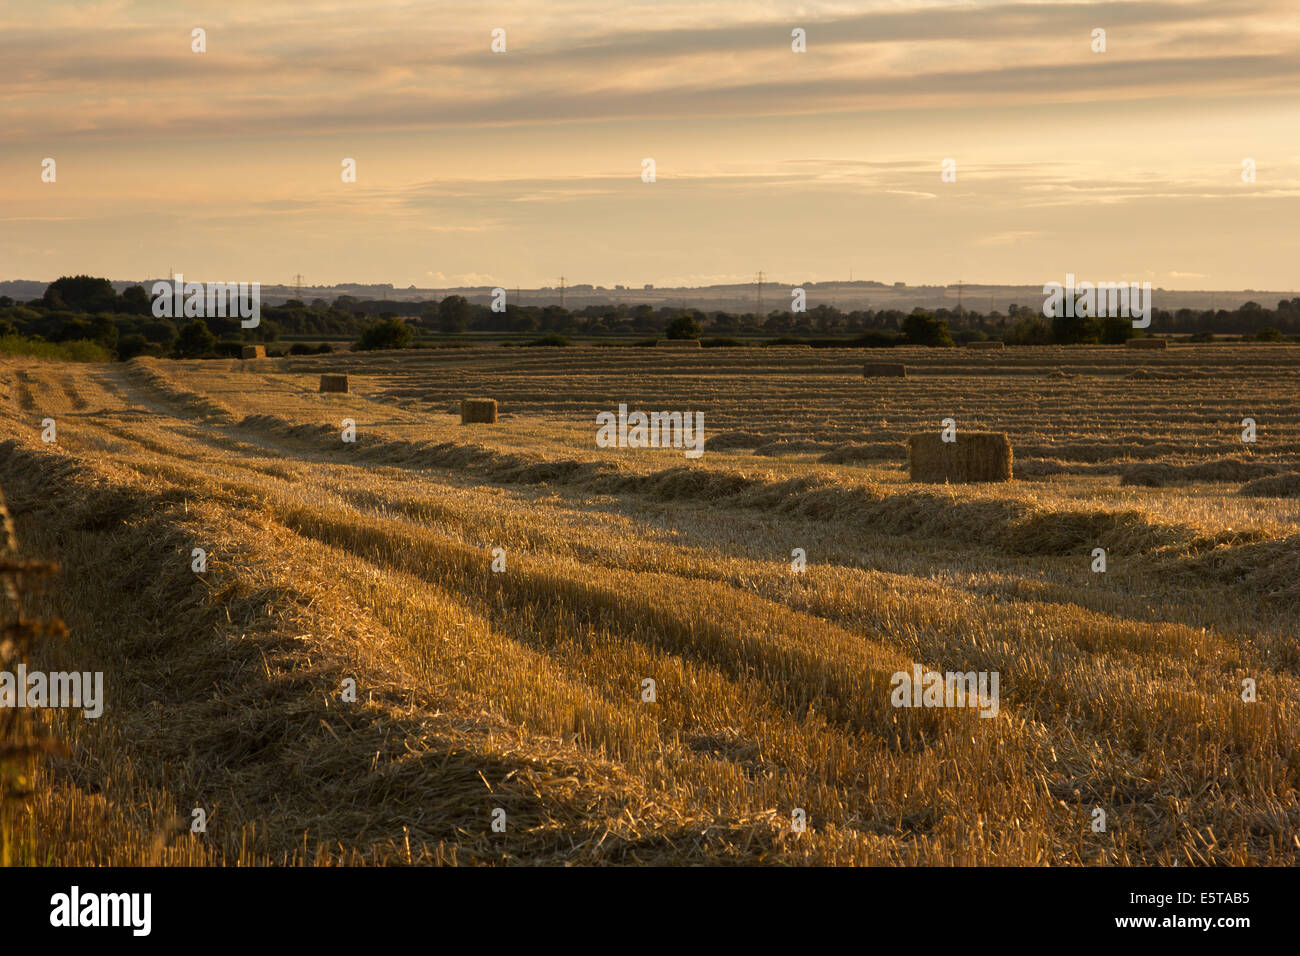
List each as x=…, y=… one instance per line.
x=741, y=297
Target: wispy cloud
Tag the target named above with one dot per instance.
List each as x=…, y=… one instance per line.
x=526, y=165
x=397, y=68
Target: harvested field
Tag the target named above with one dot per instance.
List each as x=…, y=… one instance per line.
x=500, y=595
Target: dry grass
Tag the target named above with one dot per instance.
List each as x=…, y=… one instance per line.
x=23, y=738
x=1161, y=474
x=1274, y=486
x=372, y=561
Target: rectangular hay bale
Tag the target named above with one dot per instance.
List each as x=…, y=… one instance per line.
x=1147, y=343
x=680, y=343
x=974, y=456
x=253, y=352
x=334, y=383
x=884, y=370
x=992, y=345
x=478, y=410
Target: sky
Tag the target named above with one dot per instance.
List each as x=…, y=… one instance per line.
x=514, y=168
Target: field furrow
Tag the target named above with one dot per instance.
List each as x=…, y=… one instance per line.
x=501, y=594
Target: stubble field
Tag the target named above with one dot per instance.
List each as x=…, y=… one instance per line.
x=477, y=690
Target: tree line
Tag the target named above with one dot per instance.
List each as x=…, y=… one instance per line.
x=87, y=312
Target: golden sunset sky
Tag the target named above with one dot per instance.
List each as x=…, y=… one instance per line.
x=482, y=168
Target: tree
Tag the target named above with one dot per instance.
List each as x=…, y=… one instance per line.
x=391, y=333
x=136, y=301
x=520, y=320
x=132, y=345
x=556, y=319
x=643, y=317
x=162, y=332
x=1253, y=316
x=81, y=294
x=428, y=315
x=1075, y=329
x=778, y=322
x=922, y=328
x=104, y=331
x=453, y=314
x=726, y=322
x=196, y=340
x=683, y=327
x=1029, y=331
x=1116, y=330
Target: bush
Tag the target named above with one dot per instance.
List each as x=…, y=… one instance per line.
x=81, y=350
x=1115, y=330
x=922, y=328
x=683, y=327
x=129, y=346
x=196, y=340
x=391, y=333
x=1029, y=332
x=1075, y=330
x=876, y=339
x=557, y=341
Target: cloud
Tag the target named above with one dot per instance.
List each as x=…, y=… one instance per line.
x=462, y=279
x=1010, y=238
x=286, y=71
